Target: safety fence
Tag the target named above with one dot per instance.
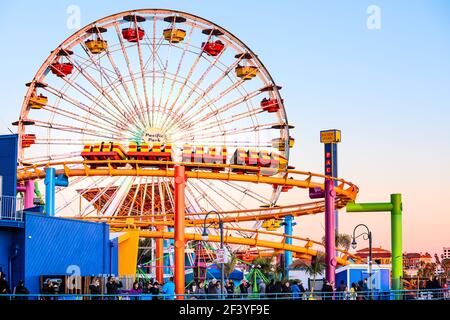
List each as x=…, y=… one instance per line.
x=11, y=208
x=434, y=294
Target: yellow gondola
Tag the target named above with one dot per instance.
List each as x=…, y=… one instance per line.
x=174, y=35
x=37, y=102
x=271, y=224
x=246, y=72
x=96, y=46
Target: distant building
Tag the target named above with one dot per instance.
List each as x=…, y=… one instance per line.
x=446, y=253
x=413, y=260
x=379, y=255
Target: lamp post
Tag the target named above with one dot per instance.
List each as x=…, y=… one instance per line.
x=366, y=236
x=205, y=238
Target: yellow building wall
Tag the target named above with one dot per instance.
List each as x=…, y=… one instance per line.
x=128, y=253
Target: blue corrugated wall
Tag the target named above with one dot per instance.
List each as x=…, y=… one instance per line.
x=8, y=161
x=54, y=244
x=11, y=255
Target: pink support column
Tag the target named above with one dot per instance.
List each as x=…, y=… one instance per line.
x=29, y=194
x=330, y=246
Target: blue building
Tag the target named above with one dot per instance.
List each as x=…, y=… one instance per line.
x=34, y=245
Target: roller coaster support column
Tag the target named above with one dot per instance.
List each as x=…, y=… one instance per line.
x=159, y=258
x=179, y=267
x=50, y=191
x=29, y=194
x=51, y=181
x=395, y=207
x=330, y=247
x=288, y=224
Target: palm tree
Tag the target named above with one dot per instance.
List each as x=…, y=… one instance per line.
x=343, y=241
x=229, y=267
x=265, y=264
x=446, y=266
x=314, y=268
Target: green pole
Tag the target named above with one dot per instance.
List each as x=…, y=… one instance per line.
x=369, y=207
x=396, y=241
x=395, y=207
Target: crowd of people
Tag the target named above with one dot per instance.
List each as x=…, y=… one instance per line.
x=213, y=289
x=20, y=290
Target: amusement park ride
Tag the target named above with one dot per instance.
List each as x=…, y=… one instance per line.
x=148, y=119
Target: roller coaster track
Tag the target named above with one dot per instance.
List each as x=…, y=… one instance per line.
x=345, y=192
x=299, y=251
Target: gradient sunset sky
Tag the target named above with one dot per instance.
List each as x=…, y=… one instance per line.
x=388, y=90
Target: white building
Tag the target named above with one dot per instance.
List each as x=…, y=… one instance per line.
x=446, y=254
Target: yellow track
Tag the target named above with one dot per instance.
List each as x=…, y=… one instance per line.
x=345, y=192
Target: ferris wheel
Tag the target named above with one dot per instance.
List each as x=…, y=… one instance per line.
x=158, y=77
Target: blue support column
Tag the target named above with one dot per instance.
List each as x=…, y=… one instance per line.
x=288, y=224
x=50, y=177
x=51, y=181
x=167, y=244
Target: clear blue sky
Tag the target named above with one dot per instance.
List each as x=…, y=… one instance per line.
x=388, y=90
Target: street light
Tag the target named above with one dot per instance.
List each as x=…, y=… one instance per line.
x=366, y=236
x=205, y=238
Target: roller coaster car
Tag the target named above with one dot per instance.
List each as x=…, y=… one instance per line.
x=153, y=152
x=28, y=140
x=279, y=143
x=213, y=48
x=96, y=46
x=239, y=158
x=247, y=257
x=174, y=35
x=272, y=224
x=133, y=34
x=61, y=69
x=214, y=157
x=270, y=105
x=246, y=72
x=198, y=155
x=104, y=151
x=37, y=102
x=284, y=188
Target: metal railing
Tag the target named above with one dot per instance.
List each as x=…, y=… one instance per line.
x=435, y=294
x=11, y=208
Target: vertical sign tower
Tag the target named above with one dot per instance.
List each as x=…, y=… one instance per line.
x=330, y=139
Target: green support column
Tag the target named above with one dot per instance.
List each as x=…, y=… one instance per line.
x=395, y=208
x=396, y=239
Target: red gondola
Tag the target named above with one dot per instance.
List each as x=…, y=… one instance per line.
x=61, y=69
x=133, y=34
x=213, y=48
x=270, y=105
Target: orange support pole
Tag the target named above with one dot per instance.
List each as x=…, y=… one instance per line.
x=160, y=258
x=180, y=181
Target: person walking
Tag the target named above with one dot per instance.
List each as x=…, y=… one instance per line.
x=112, y=287
x=95, y=289
x=243, y=288
x=269, y=289
x=4, y=286
x=353, y=292
x=341, y=289
x=277, y=289
x=262, y=288
x=295, y=290
x=21, y=290
x=168, y=290
x=287, y=290
x=135, y=291
x=154, y=290
x=229, y=287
